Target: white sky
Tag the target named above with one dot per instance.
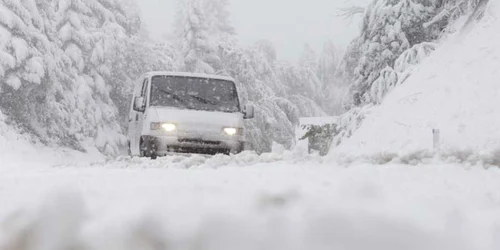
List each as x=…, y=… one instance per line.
x=289, y=24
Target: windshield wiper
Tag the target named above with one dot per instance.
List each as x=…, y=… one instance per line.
x=176, y=97
x=203, y=100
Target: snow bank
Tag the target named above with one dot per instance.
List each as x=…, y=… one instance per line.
x=185, y=161
x=14, y=147
x=21, y=150
x=456, y=90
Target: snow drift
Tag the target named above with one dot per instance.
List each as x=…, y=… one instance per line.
x=21, y=150
x=15, y=147
x=455, y=90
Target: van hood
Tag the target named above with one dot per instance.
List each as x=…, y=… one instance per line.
x=188, y=118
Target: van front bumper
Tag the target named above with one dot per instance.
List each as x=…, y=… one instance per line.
x=162, y=145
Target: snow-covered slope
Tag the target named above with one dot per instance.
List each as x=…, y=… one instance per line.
x=456, y=90
x=21, y=150
x=14, y=147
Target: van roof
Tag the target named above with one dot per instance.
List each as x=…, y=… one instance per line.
x=186, y=74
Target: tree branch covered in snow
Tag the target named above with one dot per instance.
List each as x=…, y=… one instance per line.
x=350, y=12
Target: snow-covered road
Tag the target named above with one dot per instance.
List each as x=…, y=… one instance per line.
x=248, y=202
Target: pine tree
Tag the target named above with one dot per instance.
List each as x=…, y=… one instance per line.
x=276, y=117
x=54, y=69
x=197, y=47
x=218, y=18
x=27, y=57
x=328, y=63
x=308, y=58
x=333, y=89
x=267, y=47
x=86, y=29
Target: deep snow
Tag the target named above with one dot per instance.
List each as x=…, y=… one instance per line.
x=281, y=205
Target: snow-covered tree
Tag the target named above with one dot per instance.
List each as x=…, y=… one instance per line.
x=350, y=11
x=301, y=85
x=451, y=10
x=262, y=82
x=55, y=68
x=328, y=63
x=267, y=47
x=198, y=49
x=308, y=58
x=23, y=45
x=217, y=16
x=28, y=65
x=333, y=89
x=86, y=29
x=131, y=10
x=130, y=59
x=389, y=28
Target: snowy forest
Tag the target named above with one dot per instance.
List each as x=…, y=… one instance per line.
x=68, y=67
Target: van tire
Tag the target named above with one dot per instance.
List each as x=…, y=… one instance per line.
x=154, y=156
x=148, y=148
x=240, y=148
x=142, y=153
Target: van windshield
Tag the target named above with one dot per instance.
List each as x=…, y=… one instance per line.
x=194, y=93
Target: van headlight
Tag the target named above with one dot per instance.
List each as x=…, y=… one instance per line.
x=233, y=131
x=169, y=127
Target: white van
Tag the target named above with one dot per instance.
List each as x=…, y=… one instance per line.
x=186, y=113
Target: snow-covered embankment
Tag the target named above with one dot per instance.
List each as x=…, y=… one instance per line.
x=456, y=91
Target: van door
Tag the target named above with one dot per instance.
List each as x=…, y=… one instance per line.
x=131, y=127
x=137, y=121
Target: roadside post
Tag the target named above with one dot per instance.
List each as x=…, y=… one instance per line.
x=436, y=135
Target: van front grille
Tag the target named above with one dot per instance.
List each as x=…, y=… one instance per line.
x=199, y=141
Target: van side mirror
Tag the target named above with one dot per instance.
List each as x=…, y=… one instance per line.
x=249, y=112
x=139, y=104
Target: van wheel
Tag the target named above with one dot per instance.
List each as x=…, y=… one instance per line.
x=154, y=156
x=142, y=153
x=240, y=148
x=148, y=149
